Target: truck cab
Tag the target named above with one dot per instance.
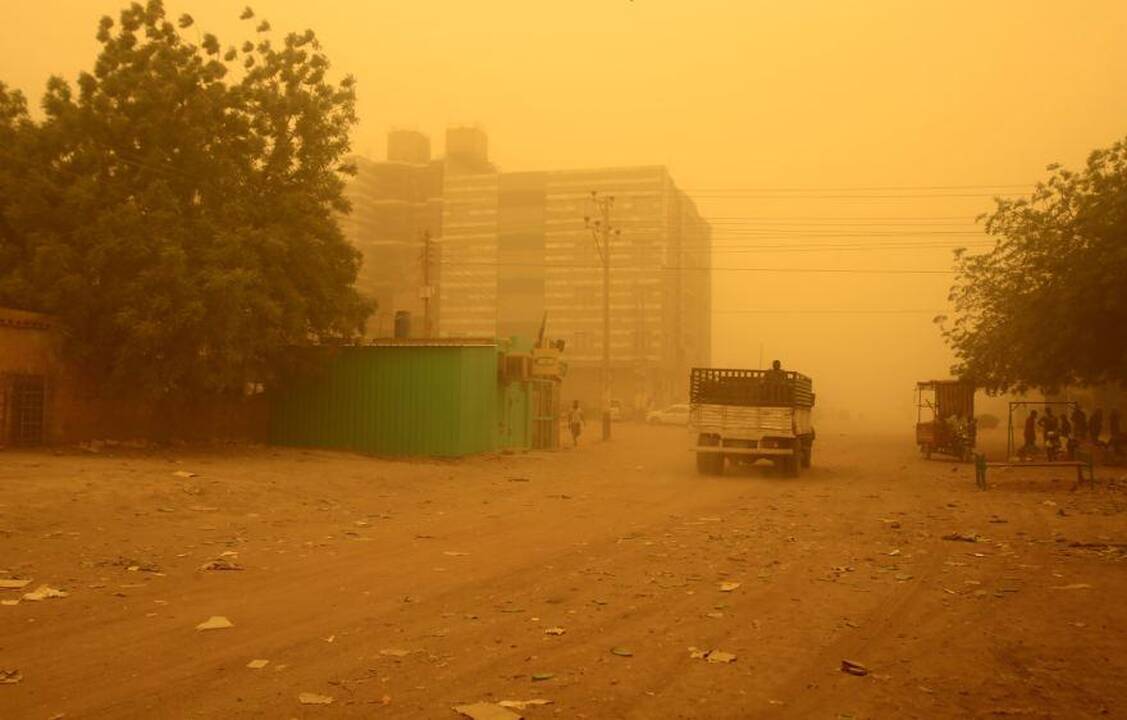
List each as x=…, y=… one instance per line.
x=741, y=416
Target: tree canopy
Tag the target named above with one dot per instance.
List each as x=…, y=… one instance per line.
x=177, y=210
x=1047, y=307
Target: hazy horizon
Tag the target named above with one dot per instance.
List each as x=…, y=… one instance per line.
x=813, y=135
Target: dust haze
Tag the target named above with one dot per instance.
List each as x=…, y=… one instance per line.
x=774, y=117
x=601, y=402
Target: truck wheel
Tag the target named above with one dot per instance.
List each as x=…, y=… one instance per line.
x=710, y=463
x=792, y=464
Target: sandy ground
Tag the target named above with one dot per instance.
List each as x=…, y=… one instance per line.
x=400, y=589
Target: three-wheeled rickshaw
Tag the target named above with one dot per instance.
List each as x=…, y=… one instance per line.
x=945, y=418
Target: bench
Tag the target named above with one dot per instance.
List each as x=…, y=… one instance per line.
x=1083, y=461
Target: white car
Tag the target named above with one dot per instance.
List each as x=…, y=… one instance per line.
x=672, y=415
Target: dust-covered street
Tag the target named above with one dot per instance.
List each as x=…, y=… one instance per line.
x=600, y=579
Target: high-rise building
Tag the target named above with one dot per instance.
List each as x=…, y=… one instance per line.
x=516, y=249
x=508, y=250
x=396, y=208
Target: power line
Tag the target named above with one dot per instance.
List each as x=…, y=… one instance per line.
x=845, y=271
x=857, y=188
x=849, y=196
x=827, y=311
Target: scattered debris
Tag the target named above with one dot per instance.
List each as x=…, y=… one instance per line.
x=728, y=586
x=621, y=652
x=330, y=638
x=960, y=537
x=215, y=622
x=719, y=656
x=555, y=631
x=1073, y=586
x=221, y=563
x=43, y=592
x=523, y=704
x=306, y=698
x=540, y=677
x=903, y=577
x=486, y=711
x=712, y=656
x=13, y=584
x=10, y=677
x=257, y=664
x=395, y=652
x=854, y=668
x=184, y=474
x=894, y=553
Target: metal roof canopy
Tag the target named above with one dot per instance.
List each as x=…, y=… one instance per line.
x=431, y=342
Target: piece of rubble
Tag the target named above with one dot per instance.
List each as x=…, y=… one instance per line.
x=1072, y=586
x=712, y=656
x=486, y=711
x=10, y=677
x=215, y=622
x=523, y=704
x=13, y=583
x=184, y=474
x=257, y=664
x=728, y=586
x=220, y=564
x=961, y=537
x=621, y=652
x=541, y=677
x=44, y=592
x=307, y=698
x=555, y=631
x=854, y=668
x=395, y=652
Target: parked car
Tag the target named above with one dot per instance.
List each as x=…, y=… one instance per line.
x=672, y=415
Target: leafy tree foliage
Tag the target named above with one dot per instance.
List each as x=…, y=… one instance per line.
x=1047, y=307
x=176, y=211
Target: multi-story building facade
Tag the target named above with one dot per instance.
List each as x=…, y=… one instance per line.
x=396, y=212
x=516, y=248
x=507, y=250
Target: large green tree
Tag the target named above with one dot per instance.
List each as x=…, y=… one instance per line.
x=1047, y=307
x=177, y=210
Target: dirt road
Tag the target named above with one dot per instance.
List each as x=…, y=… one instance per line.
x=400, y=589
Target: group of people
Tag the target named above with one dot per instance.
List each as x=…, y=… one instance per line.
x=1068, y=431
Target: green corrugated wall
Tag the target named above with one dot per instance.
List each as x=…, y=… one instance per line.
x=392, y=400
x=514, y=416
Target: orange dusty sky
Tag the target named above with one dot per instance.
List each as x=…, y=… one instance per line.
x=740, y=99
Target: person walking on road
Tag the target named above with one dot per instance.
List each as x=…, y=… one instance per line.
x=1096, y=425
x=1030, y=434
x=1080, y=423
x=575, y=423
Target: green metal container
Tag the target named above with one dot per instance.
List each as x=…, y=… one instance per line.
x=399, y=398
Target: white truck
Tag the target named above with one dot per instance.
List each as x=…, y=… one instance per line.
x=742, y=416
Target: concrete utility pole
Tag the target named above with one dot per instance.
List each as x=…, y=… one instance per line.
x=426, y=292
x=601, y=231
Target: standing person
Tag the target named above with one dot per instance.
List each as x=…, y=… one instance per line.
x=1048, y=424
x=1096, y=425
x=1080, y=423
x=1115, y=435
x=1030, y=434
x=575, y=422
